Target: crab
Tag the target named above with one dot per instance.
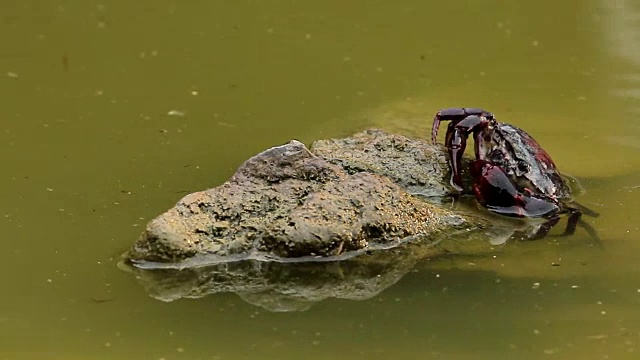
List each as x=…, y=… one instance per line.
x=512, y=174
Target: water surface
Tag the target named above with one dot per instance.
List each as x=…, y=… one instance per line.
x=111, y=111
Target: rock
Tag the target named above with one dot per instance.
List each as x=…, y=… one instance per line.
x=416, y=166
x=348, y=196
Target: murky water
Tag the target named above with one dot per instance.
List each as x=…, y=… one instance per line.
x=112, y=110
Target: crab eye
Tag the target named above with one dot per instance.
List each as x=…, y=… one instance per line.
x=497, y=156
x=524, y=167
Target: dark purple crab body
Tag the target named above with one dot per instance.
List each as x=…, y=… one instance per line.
x=513, y=175
x=525, y=162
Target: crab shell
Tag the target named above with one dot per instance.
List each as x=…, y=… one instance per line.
x=525, y=162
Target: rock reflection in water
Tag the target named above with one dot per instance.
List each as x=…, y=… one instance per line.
x=296, y=286
x=285, y=286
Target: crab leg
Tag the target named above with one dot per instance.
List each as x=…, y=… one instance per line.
x=456, y=142
x=454, y=115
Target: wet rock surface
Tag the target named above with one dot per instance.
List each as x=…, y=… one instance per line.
x=416, y=166
x=288, y=202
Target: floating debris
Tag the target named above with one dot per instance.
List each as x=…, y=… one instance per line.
x=177, y=113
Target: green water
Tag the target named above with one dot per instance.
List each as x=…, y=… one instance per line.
x=111, y=111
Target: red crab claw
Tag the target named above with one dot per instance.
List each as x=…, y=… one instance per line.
x=494, y=190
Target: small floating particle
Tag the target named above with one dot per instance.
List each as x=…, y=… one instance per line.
x=177, y=113
x=12, y=75
x=65, y=62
